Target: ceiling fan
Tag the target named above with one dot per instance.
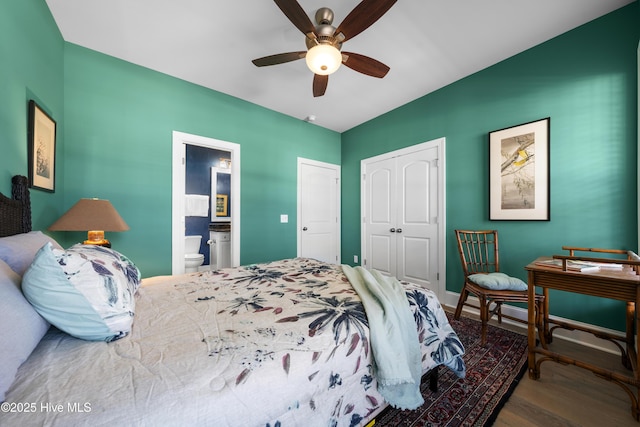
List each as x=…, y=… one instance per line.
x=324, y=42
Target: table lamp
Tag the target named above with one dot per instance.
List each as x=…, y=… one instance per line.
x=95, y=216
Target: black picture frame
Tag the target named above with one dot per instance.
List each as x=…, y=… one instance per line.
x=41, y=149
x=519, y=183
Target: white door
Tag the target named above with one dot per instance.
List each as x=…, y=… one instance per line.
x=416, y=222
x=403, y=219
x=318, y=210
x=380, y=216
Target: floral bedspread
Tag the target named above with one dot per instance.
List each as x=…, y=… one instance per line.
x=301, y=318
x=279, y=344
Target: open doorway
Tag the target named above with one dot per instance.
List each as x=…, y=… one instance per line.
x=179, y=150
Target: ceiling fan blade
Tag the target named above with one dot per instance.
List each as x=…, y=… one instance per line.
x=297, y=16
x=280, y=58
x=319, y=84
x=362, y=17
x=364, y=64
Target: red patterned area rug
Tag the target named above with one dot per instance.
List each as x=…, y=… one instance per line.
x=493, y=372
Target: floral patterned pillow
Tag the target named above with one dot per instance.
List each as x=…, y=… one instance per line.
x=87, y=291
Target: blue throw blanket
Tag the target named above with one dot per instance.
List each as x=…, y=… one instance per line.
x=394, y=336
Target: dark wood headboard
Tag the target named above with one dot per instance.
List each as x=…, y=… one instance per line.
x=15, y=212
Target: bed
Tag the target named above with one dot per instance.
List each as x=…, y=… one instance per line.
x=284, y=343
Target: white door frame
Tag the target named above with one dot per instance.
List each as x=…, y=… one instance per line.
x=180, y=141
x=337, y=168
x=442, y=203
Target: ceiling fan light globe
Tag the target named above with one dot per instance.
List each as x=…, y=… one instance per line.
x=323, y=59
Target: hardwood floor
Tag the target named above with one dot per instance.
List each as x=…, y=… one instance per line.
x=566, y=395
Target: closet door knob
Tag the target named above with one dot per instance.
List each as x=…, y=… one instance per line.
x=304, y=228
x=393, y=230
x=399, y=230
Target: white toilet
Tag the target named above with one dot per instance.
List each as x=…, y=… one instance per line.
x=192, y=258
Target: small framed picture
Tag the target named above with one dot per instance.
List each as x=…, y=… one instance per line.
x=221, y=205
x=41, y=149
x=519, y=172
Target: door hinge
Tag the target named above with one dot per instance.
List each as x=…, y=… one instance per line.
x=183, y=160
x=438, y=276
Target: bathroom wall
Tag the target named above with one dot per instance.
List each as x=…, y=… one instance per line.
x=199, y=162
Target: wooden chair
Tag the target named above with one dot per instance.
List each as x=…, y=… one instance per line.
x=479, y=254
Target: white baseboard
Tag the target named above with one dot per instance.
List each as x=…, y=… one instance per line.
x=579, y=337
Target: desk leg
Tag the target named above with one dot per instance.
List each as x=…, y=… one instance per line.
x=531, y=327
x=630, y=336
x=545, y=320
x=633, y=353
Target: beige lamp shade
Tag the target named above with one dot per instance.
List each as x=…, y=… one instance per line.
x=95, y=216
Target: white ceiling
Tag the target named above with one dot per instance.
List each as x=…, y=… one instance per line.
x=427, y=43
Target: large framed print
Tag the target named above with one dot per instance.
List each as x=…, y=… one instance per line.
x=519, y=172
x=41, y=149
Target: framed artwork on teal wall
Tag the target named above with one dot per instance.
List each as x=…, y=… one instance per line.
x=41, y=149
x=519, y=172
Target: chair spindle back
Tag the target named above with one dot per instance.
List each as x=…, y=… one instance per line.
x=478, y=251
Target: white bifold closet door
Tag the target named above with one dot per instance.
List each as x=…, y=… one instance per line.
x=400, y=215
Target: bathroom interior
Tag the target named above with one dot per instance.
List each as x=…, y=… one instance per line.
x=207, y=209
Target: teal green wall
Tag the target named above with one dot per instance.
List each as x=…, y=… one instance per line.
x=31, y=67
x=586, y=82
x=119, y=121
x=114, y=141
x=115, y=123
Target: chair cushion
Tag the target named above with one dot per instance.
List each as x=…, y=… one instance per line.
x=498, y=282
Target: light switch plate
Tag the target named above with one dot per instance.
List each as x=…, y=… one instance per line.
x=284, y=218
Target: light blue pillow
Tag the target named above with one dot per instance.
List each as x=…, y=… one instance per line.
x=21, y=327
x=498, y=282
x=19, y=250
x=87, y=291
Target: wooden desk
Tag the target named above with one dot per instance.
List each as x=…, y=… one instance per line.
x=619, y=285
